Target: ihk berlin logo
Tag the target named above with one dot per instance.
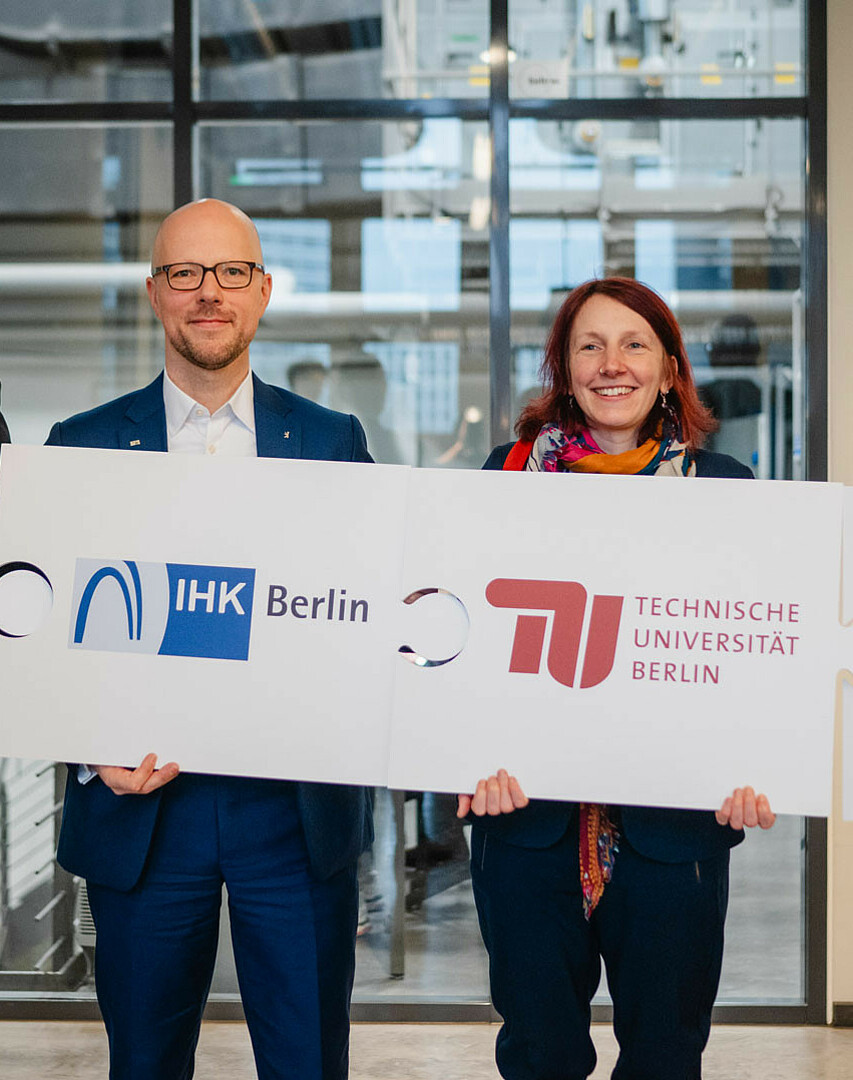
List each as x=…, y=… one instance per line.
x=171, y=609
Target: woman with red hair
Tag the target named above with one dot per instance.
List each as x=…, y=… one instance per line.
x=561, y=886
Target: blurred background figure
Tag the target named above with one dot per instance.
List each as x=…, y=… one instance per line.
x=359, y=384
x=735, y=397
x=308, y=379
x=471, y=441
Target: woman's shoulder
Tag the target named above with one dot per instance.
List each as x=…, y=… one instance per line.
x=498, y=456
x=721, y=466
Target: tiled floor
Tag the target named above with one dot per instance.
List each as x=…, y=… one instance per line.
x=77, y=1051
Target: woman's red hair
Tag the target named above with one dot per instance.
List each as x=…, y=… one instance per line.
x=557, y=406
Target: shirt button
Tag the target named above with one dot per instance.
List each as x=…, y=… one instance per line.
x=211, y=449
x=199, y=412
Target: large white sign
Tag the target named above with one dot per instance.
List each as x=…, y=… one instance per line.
x=236, y=616
x=631, y=640
x=605, y=638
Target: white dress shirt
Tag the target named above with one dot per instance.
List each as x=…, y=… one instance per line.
x=190, y=429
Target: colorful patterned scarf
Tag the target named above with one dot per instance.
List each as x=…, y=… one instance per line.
x=555, y=451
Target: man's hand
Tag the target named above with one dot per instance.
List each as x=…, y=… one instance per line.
x=743, y=809
x=139, y=781
x=499, y=794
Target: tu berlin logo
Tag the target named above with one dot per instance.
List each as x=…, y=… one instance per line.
x=562, y=607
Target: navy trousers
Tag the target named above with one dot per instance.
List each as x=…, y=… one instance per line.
x=293, y=937
x=658, y=928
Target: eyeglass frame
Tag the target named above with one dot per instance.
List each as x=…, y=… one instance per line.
x=204, y=271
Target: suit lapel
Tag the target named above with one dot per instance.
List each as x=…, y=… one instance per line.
x=143, y=426
x=278, y=431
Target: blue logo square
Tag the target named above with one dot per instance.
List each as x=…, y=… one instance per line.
x=210, y=611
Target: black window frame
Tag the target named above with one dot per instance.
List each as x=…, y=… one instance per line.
x=185, y=114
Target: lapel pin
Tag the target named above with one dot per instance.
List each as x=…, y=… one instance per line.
x=135, y=442
x=287, y=434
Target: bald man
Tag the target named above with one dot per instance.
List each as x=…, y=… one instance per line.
x=155, y=845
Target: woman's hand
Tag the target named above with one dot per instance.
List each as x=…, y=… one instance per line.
x=499, y=794
x=743, y=809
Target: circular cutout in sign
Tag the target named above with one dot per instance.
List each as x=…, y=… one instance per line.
x=440, y=631
x=26, y=599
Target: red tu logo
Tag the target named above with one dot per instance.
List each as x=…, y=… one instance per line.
x=565, y=602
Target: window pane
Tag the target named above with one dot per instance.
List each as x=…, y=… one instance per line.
x=344, y=49
x=656, y=48
x=376, y=237
x=710, y=214
x=76, y=330
x=99, y=50
x=75, y=243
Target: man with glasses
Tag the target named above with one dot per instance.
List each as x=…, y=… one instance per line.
x=156, y=845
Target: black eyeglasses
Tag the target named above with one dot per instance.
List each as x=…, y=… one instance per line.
x=188, y=276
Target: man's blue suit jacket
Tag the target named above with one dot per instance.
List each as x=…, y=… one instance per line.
x=664, y=835
x=105, y=837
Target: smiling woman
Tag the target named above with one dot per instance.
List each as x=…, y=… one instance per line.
x=617, y=369
x=559, y=886
x=616, y=366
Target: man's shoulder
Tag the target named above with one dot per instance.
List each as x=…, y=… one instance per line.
x=317, y=432
x=102, y=421
x=285, y=401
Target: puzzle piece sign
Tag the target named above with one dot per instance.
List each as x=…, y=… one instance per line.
x=630, y=641
x=606, y=638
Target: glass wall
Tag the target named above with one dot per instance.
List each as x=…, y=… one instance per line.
x=78, y=212
x=709, y=213
x=649, y=48
x=409, y=163
x=97, y=51
x=368, y=49
x=380, y=274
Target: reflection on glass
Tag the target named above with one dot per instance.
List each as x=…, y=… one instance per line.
x=709, y=214
x=92, y=51
x=344, y=48
x=74, y=251
x=75, y=248
x=379, y=273
x=655, y=48
x=380, y=308
x=41, y=947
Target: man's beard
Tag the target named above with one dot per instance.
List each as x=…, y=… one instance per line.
x=212, y=357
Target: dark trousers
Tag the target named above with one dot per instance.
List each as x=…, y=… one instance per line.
x=658, y=928
x=293, y=937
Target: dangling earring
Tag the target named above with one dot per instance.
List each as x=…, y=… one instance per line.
x=670, y=416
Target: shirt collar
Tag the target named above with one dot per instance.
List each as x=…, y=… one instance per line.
x=179, y=405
